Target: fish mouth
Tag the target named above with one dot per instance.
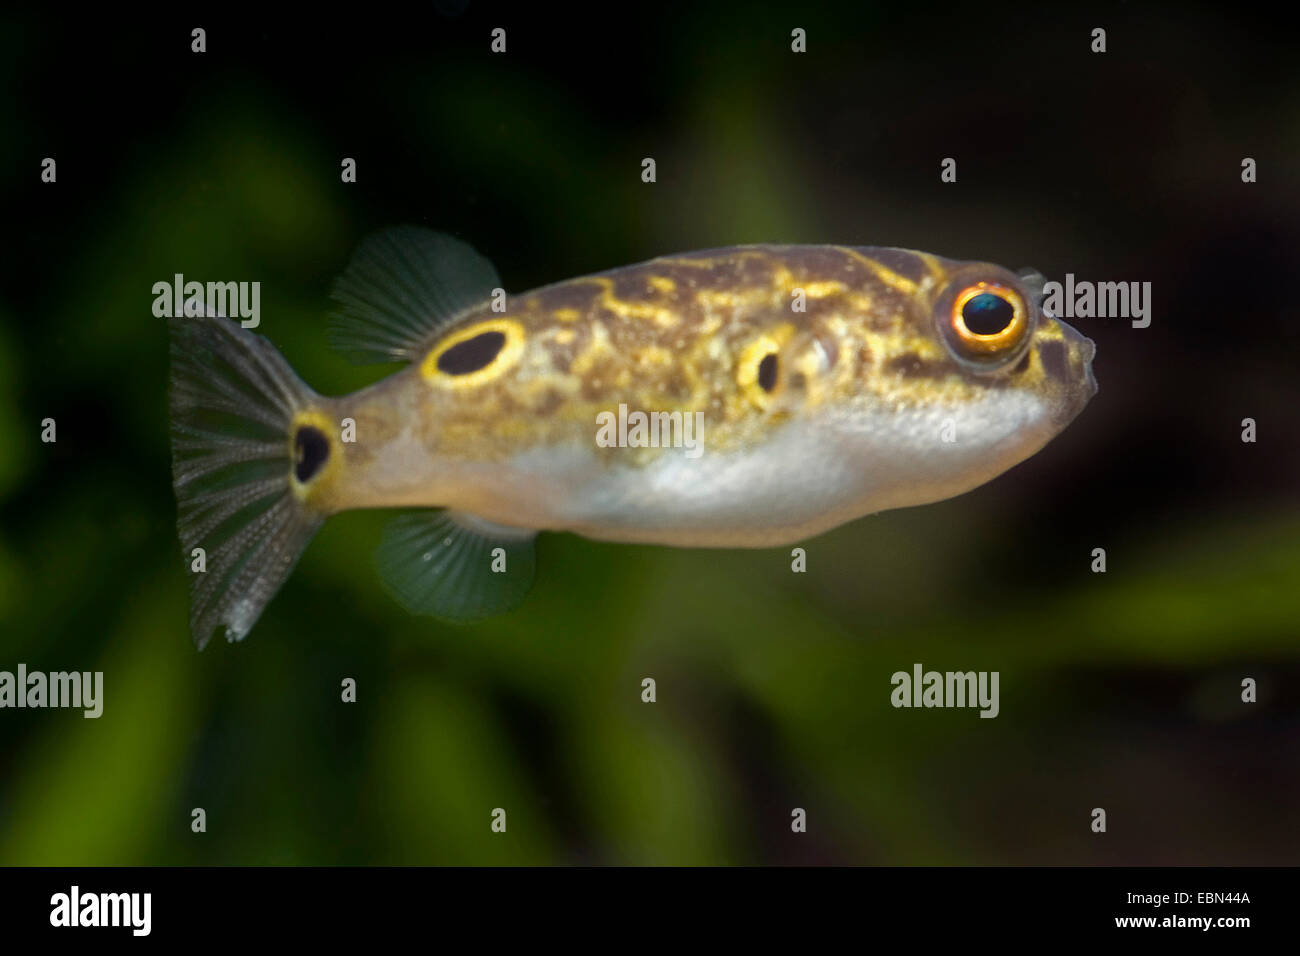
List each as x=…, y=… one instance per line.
x=1083, y=383
x=1087, y=351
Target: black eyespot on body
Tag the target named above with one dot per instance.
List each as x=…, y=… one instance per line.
x=472, y=354
x=312, y=449
x=767, y=372
x=987, y=313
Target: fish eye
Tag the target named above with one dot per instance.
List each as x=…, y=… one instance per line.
x=988, y=321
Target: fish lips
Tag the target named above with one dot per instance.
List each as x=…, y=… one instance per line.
x=1083, y=382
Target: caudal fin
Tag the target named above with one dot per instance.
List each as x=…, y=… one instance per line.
x=233, y=402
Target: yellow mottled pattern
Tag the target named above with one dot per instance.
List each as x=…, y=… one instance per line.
x=687, y=333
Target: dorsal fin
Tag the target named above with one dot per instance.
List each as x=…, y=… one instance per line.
x=401, y=287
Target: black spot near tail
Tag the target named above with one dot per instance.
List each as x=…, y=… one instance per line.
x=313, y=450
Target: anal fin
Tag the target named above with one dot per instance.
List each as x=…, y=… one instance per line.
x=456, y=566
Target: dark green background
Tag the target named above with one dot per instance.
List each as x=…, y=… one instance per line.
x=1118, y=691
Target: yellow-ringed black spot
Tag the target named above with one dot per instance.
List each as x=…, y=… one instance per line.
x=768, y=369
x=311, y=452
x=758, y=366
x=472, y=354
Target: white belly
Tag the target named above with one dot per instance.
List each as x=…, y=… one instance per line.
x=811, y=475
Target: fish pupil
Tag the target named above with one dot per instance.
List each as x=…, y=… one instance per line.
x=987, y=314
x=472, y=354
x=313, y=450
x=767, y=370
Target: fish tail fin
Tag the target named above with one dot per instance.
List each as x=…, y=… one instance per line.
x=239, y=463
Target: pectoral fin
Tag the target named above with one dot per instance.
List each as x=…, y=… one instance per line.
x=456, y=566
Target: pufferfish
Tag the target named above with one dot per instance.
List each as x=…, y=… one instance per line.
x=763, y=394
